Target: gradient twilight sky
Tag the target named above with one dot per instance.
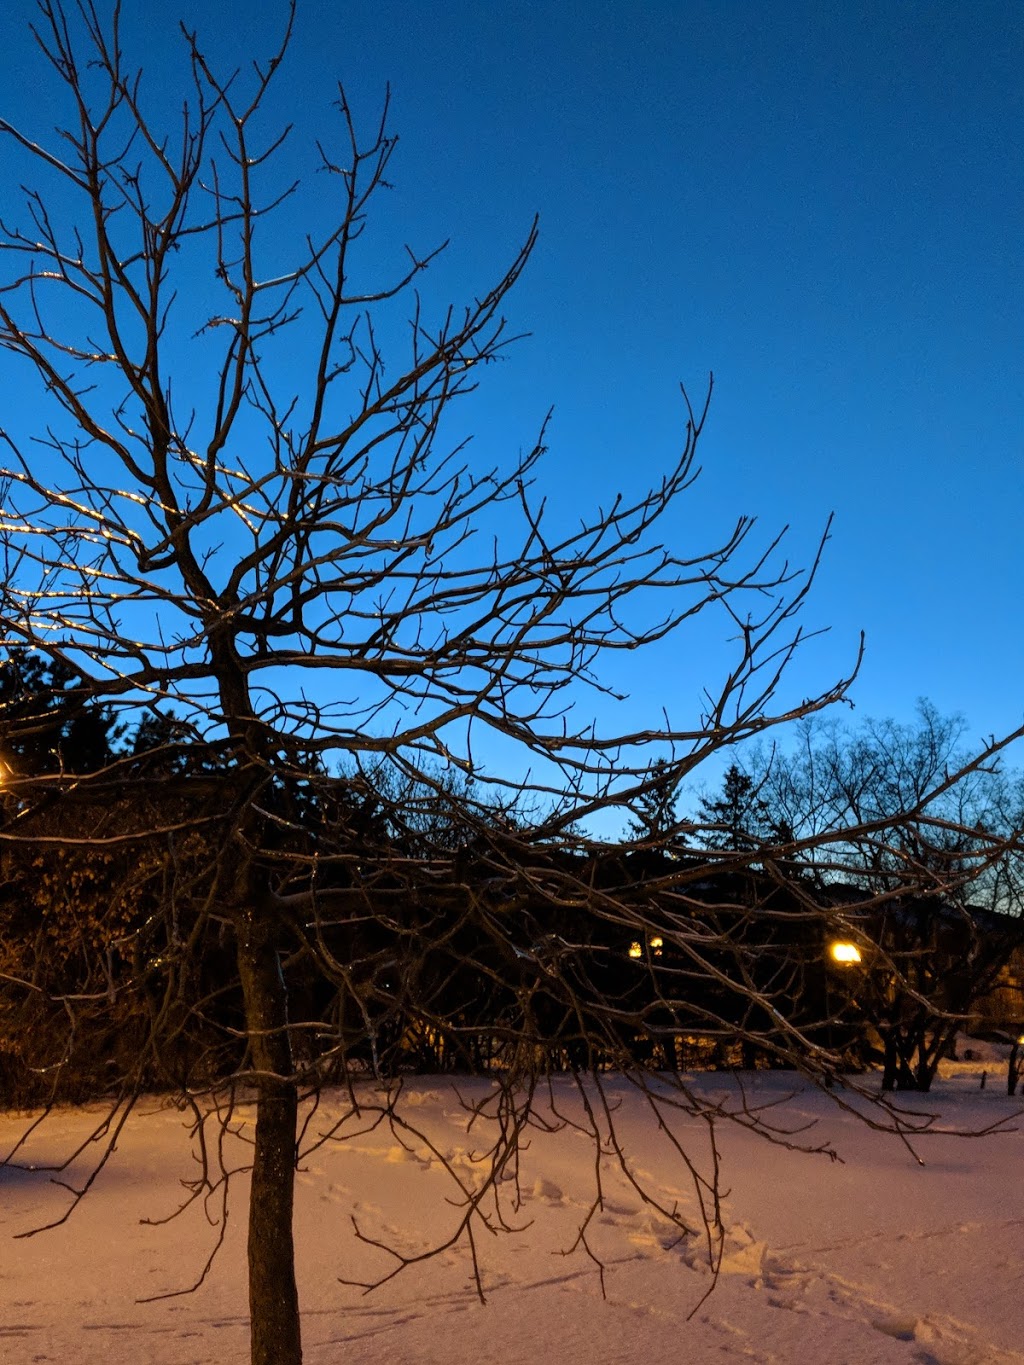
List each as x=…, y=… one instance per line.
x=822, y=203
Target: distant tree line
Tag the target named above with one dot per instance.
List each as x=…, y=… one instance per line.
x=104, y=977
x=935, y=883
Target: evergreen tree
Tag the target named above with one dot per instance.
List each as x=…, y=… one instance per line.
x=655, y=810
x=739, y=820
x=48, y=722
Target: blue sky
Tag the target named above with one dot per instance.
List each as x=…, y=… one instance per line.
x=823, y=204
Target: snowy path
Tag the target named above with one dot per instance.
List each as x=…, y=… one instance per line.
x=876, y=1259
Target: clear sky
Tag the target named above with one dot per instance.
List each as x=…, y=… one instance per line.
x=822, y=203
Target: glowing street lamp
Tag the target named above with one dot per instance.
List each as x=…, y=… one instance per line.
x=844, y=953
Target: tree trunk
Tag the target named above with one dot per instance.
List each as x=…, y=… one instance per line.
x=906, y=1080
x=890, y=1067
x=923, y=1068
x=276, y=1337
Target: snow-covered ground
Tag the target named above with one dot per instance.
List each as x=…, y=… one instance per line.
x=874, y=1258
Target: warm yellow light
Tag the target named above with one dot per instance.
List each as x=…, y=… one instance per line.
x=636, y=949
x=843, y=952
x=657, y=944
x=1021, y=1039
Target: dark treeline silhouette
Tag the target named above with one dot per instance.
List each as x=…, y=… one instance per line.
x=106, y=977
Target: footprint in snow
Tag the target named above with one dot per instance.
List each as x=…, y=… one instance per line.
x=548, y=1190
x=900, y=1327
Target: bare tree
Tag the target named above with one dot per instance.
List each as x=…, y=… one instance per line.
x=330, y=604
x=930, y=837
